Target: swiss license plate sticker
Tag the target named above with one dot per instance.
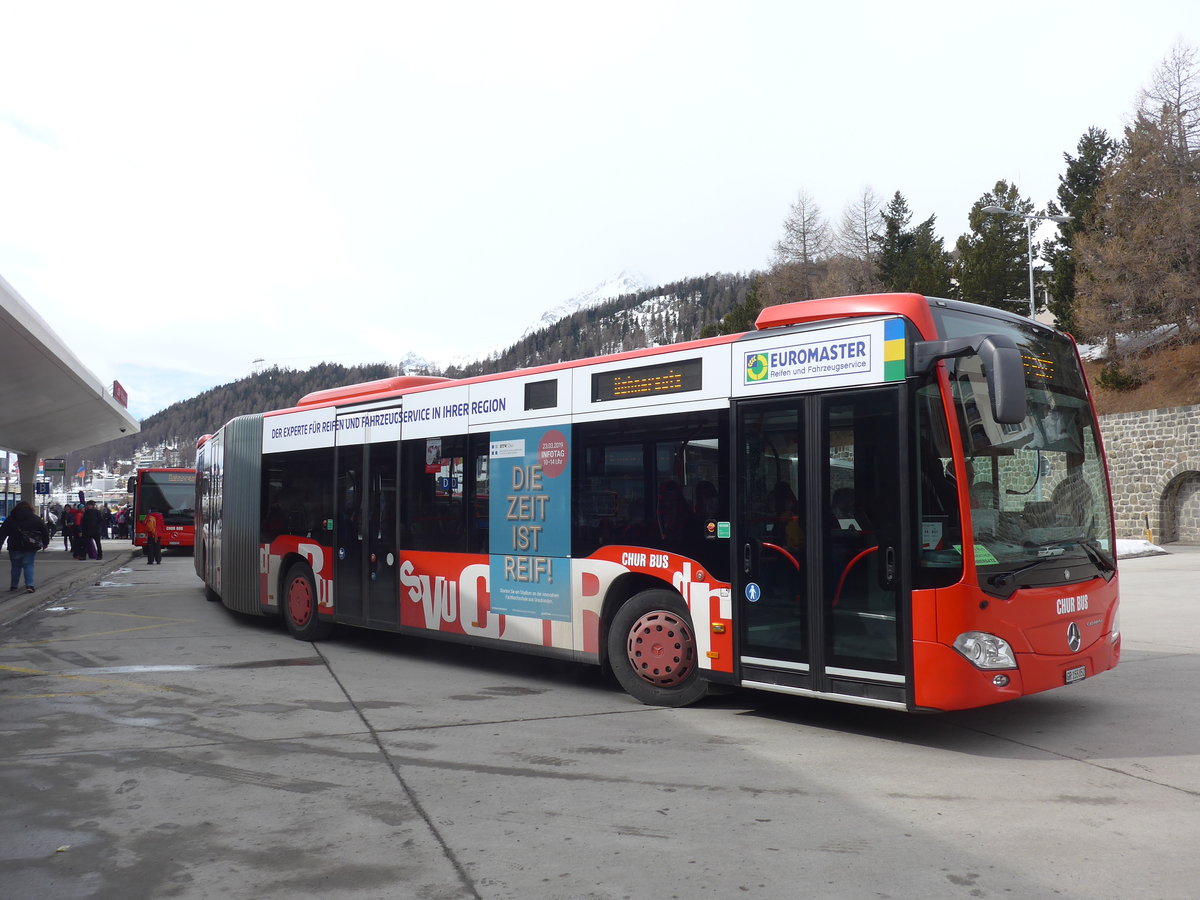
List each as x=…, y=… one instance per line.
x=1077, y=674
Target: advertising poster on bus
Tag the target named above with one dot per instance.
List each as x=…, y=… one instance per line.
x=530, y=506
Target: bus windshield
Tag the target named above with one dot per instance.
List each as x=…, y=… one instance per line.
x=1038, y=489
x=170, y=493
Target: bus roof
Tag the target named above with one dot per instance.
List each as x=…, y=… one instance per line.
x=398, y=384
x=915, y=307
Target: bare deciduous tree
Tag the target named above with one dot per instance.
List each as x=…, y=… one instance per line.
x=1139, y=261
x=800, y=253
x=854, y=268
x=862, y=221
x=1173, y=99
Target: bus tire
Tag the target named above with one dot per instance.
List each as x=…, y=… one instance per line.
x=300, y=605
x=652, y=650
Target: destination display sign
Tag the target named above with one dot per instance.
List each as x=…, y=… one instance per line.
x=648, y=381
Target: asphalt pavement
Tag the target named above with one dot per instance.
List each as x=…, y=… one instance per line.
x=157, y=745
x=56, y=572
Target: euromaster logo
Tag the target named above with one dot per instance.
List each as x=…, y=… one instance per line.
x=756, y=367
x=841, y=358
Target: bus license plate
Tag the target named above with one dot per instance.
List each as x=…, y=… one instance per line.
x=1077, y=674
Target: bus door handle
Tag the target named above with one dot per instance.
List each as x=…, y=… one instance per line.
x=747, y=558
x=889, y=567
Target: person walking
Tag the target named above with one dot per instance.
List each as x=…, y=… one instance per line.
x=66, y=523
x=91, y=528
x=154, y=525
x=78, y=542
x=26, y=535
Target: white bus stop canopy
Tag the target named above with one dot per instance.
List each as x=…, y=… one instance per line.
x=50, y=404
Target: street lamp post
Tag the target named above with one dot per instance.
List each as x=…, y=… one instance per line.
x=1029, y=218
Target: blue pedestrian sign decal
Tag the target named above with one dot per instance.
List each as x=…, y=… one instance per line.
x=753, y=592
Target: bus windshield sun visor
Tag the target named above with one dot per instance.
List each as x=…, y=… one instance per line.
x=1002, y=365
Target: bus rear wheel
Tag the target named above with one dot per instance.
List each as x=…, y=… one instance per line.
x=300, y=605
x=652, y=650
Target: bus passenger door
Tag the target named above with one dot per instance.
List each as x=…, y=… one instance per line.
x=865, y=627
x=382, y=554
x=366, y=586
x=348, y=537
x=771, y=574
x=819, y=579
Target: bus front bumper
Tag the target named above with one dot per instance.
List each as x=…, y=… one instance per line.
x=947, y=681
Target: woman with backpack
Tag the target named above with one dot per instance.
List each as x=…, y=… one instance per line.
x=26, y=535
x=154, y=525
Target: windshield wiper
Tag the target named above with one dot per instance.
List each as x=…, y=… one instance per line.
x=1096, y=554
x=1004, y=579
x=1090, y=548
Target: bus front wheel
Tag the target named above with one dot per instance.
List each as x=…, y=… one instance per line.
x=300, y=605
x=652, y=650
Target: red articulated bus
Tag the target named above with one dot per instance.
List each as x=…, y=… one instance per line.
x=888, y=500
x=171, y=492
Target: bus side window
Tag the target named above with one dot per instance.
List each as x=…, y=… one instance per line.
x=611, y=496
x=297, y=494
x=433, y=514
x=655, y=482
x=478, y=494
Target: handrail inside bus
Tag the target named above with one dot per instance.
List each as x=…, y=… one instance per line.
x=837, y=594
x=784, y=553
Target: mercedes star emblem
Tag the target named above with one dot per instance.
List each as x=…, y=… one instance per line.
x=1074, y=639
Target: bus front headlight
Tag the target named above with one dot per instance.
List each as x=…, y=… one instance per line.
x=985, y=651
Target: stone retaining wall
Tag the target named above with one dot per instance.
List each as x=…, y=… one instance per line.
x=1154, y=463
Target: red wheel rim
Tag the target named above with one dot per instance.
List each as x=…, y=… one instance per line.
x=662, y=650
x=300, y=601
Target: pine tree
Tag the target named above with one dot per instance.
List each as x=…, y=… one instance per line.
x=931, y=263
x=1076, y=197
x=912, y=259
x=895, y=244
x=743, y=316
x=993, y=263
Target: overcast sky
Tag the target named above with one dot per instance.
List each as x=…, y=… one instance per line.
x=187, y=188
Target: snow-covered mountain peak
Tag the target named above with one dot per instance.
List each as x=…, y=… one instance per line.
x=625, y=282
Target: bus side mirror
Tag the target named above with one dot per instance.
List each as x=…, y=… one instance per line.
x=1002, y=366
x=1005, y=371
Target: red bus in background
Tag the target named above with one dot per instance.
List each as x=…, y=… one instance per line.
x=171, y=492
x=887, y=500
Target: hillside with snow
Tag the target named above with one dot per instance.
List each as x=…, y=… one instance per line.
x=617, y=286
x=620, y=285
x=612, y=318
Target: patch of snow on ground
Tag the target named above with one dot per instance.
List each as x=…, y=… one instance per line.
x=1130, y=549
x=1130, y=343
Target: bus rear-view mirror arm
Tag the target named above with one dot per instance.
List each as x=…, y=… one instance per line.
x=1002, y=366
